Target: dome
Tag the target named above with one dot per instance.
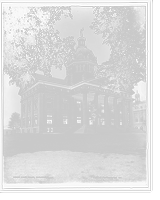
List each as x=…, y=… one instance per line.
x=84, y=50
x=84, y=54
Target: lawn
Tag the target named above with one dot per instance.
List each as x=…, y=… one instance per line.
x=67, y=166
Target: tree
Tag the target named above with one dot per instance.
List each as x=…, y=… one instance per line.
x=93, y=112
x=31, y=42
x=123, y=29
x=15, y=121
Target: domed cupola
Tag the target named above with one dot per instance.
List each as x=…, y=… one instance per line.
x=83, y=64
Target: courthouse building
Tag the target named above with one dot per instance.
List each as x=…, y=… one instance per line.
x=78, y=104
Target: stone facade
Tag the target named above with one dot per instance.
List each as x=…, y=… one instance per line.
x=79, y=103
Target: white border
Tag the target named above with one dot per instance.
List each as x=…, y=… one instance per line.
x=149, y=105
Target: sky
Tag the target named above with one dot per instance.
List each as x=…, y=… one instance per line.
x=82, y=18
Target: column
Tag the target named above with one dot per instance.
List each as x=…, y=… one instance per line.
x=115, y=112
x=26, y=113
x=85, y=109
x=72, y=112
x=96, y=107
x=106, y=111
x=131, y=113
x=21, y=115
x=57, y=110
x=32, y=117
x=41, y=115
x=123, y=114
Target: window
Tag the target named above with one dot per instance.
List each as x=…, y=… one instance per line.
x=35, y=103
x=65, y=104
x=120, y=123
x=120, y=110
x=29, y=106
x=79, y=121
x=90, y=121
x=48, y=129
x=102, y=108
x=49, y=119
x=65, y=120
x=101, y=121
x=79, y=106
x=49, y=102
x=29, y=120
x=35, y=119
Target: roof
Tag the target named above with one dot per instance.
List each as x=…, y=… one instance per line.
x=62, y=83
x=51, y=79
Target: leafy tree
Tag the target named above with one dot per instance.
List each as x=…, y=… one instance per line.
x=123, y=29
x=15, y=121
x=31, y=42
x=93, y=112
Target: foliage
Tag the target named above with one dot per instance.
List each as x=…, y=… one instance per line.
x=15, y=121
x=123, y=29
x=31, y=42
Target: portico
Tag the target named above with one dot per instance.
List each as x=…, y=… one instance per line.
x=113, y=110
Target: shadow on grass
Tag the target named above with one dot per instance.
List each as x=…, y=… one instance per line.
x=74, y=169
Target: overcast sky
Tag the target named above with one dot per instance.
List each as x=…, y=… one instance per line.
x=82, y=18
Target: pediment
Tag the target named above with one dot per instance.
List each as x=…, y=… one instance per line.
x=98, y=81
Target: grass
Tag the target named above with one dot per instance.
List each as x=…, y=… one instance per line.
x=67, y=166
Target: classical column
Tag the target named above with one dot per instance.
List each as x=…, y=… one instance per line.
x=41, y=114
x=58, y=110
x=32, y=114
x=115, y=112
x=107, y=112
x=72, y=112
x=21, y=115
x=26, y=115
x=85, y=108
x=130, y=114
x=96, y=108
x=123, y=113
